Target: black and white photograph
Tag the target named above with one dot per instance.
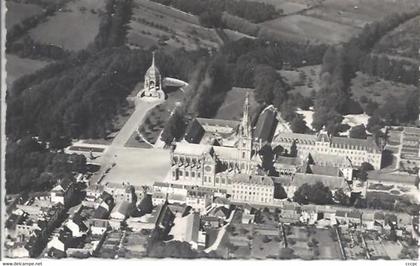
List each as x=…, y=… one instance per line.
x=219, y=130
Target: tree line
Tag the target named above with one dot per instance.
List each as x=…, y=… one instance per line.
x=210, y=11
x=339, y=67
x=31, y=167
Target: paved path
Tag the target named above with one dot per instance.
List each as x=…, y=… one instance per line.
x=109, y=159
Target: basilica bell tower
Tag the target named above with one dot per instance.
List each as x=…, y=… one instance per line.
x=245, y=133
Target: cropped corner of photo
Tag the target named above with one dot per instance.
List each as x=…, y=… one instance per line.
x=219, y=130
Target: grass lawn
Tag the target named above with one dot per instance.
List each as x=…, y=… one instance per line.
x=356, y=13
x=377, y=89
x=303, y=79
x=17, y=67
x=304, y=28
x=402, y=41
x=71, y=28
x=288, y=6
x=152, y=22
x=17, y=12
x=157, y=117
x=232, y=107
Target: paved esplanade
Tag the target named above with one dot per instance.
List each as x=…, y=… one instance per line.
x=138, y=166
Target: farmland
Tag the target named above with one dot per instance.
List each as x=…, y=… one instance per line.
x=154, y=24
x=304, y=28
x=332, y=21
x=304, y=79
x=287, y=6
x=19, y=12
x=377, y=89
x=72, y=28
x=17, y=67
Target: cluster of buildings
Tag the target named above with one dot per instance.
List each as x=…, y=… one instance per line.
x=215, y=151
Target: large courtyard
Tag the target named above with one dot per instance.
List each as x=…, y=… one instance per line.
x=138, y=166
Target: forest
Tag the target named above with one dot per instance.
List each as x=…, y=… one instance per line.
x=339, y=67
x=210, y=11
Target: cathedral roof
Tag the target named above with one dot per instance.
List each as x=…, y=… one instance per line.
x=266, y=124
x=192, y=149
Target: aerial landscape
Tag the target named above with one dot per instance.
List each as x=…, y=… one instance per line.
x=218, y=129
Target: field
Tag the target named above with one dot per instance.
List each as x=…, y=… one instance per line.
x=304, y=79
x=304, y=28
x=156, y=119
x=232, y=107
x=356, y=13
x=72, y=28
x=402, y=41
x=332, y=21
x=377, y=89
x=17, y=12
x=288, y=6
x=154, y=24
x=17, y=67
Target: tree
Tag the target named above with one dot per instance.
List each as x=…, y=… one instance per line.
x=358, y=132
x=363, y=171
x=316, y=193
x=417, y=180
x=293, y=149
x=298, y=125
x=341, y=197
x=174, y=128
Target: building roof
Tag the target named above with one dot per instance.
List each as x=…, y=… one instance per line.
x=99, y=223
x=253, y=179
x=323, y=170
x=226, y=153
x=288, y=160
x=355, y=144
x=100, y=213
x=205, y=122
x=192, y=227
x=299, y=138
x=195, y=132
x=329, y=181
x=192, y=149
x=124, y=208
x=266, y=125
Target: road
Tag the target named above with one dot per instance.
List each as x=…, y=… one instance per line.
x=110, y=157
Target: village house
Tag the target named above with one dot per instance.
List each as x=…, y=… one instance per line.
x=62, y=192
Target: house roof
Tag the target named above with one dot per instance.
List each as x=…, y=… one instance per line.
x=100, y=223
x=123, y=207
x=192, y=227
x=65, y=183
x=80, y=221
x=219, y=212
x=100, y=213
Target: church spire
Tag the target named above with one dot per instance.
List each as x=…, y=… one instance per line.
x=153, y=60
x=246, y=127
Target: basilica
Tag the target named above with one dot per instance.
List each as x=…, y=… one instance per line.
x=214, y=152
